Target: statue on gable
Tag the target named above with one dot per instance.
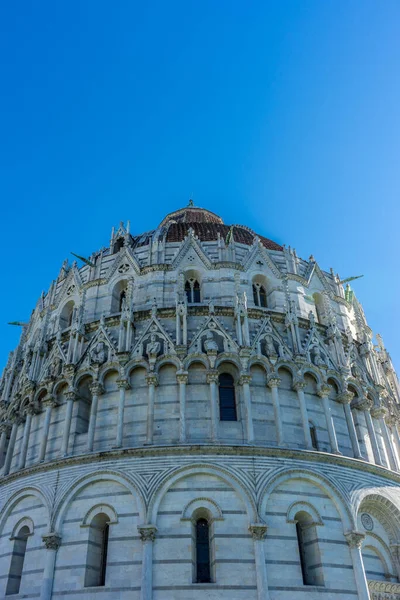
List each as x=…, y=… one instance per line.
x=153, y=347
x=311, y=318
x=55, y=368
x=98, y=354
x=317, y=356
x=269, y=345
x=211, y=307
x=154, y=308
x=210, y=345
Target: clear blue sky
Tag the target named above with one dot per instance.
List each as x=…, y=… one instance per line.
x=283, y=116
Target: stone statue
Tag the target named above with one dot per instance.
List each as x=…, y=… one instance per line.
x=269, y=345
x=210, y=345
x=318, y=358
x=153, y=347
x=311, y=318
x=99, y=354
x=55, y=367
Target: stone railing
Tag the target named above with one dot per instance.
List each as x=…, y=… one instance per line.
x=384, y=590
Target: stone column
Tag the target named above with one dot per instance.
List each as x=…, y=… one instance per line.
x=345, y=398
x=25, y=440
x=212, y=380
x=323, y=393
x=16, y=420
x=147, y=535
x=152, y=382
x=96, y=391
x=71, y=396
x=366, y=406
x=354, y=540
x=52, y=542
x=123, y=385
x=49, y=402
x=182, y=379
x=299, y=387
x=273, y=383
x=381, y=413
x=5, y=430
x=244, y=381
x=258, y=532
x=395, y=432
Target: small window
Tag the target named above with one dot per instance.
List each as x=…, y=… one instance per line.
x=192, y=291
x=313, y=435
x=203, y=563
x=310, y=557
x=96, y=560
x=17, y=561
x=227, y=401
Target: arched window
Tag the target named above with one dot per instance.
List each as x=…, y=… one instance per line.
x=310, y=557
x=67, y=314
x=84, y=406
x=122, y=298
x=313, y=435
x=227, y=401
x=96, y=560
x=118, y=295
x=203, y=562
x=17, y=561
x=259, y=295
x=192, y=290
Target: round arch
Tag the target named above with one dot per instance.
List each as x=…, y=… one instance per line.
x=204, y=469
x=73, y=489
x=318, y=480
x=380, y=505
x=17, y=497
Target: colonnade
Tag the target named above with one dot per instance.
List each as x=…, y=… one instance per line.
x=49, y=403
x=258, y=531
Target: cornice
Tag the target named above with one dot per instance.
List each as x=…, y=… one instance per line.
x=210, y=451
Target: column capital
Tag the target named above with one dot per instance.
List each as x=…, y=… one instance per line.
x=71, y=395
x=147, y=532
x=50, y=400
x=16, y=418
x=245, y=378
x=52, y=541
x=182, y=377
x=379, y=412
x=96, y=388
x=273, y=381
x=364, y=404
x=212, y=376
x=5, y=426
x=345, y=397
x=258, y=531
x=30, y=409
x=152, y=379
x=354, y=538
x=123, y=384
x=299, y=384
x=324, y=390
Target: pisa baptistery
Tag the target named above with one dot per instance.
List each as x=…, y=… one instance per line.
x=193, y=413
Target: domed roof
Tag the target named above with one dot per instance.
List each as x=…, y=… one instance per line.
x=207, y=226
x=191, y=214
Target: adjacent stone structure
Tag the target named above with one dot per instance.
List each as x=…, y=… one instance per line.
x=198, y=413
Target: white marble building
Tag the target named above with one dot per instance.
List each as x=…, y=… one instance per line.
x=199, y=413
